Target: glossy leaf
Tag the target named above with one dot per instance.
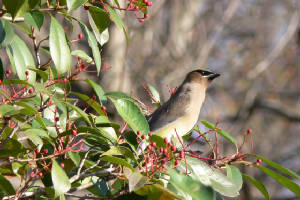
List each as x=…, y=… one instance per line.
x=219, y=131
x=93, y=44
x=103, y=37
x=38, y=132
x=115, y=17
x=6, y=110
x=23, y=59
x=212, y=177
x=281, y=179
x=116, y=160
x=100, y=18
x=6, y=186
x=59, y=48
x=35, y=19
x=98, y=90
x=234, y=174
x=258, y=185
x=17, y=7
x=136, y=180
x=132, y=115
x=60, y=179
x=74, y=4
x=154, y=93
x=79, y=111
x=6, y=33
x=95, y=105
x=190, y=187
x=75, y=157
x=120, y=150
x=81, y=54
x=279, y=167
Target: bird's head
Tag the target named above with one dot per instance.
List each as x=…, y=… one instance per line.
x=201, y=76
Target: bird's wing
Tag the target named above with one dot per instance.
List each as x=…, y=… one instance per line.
x=173, y=109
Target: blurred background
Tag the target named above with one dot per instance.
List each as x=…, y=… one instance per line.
x=253, y=44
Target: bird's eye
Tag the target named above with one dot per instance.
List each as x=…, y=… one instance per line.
x=204, y=73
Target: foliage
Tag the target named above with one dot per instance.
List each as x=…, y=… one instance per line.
x=47, y=135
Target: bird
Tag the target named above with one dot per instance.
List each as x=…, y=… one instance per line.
x=180, y=113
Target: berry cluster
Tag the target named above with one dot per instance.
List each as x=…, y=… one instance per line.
x=156, y=158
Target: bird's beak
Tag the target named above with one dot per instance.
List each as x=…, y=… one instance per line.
x=213, y=76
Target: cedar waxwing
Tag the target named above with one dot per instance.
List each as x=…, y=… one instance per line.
x=182, y=110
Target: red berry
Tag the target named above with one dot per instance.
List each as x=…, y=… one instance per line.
x=165, y=150
x=103, y=108
x=146, y=16
x=138, y=132
x=8, y=72
x=150, y=134
x=65, y=80
x=143, y=137
x=166, y=140
x=162, y=162
x=161, y=150
x=258, y=161
x=86, y=7
x=181, y=155
x=249, y=131
x=56, y=119
x=141, y=20
x=130, y=5
x=0, y=81
x=82, y=66
x=37, y=151
x=40, y=174
x=80, y=36
x=149, y=147
x=45, y=151
x=136, y=8
x=32, y=174
x=145, y=1
x=74, y=132
x=50, y=102
x=149, y=3
x=153, y=144
x=173, y=148
x=27, y=73
x=30, y=91
x=177, y=162
x=62, y=165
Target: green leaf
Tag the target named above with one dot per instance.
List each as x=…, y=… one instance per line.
x=258, y=185
x=12, y=148
x=278, y=167
x=103, y=37
x=22, y=59
x=44, y=75
x=281, y=179
x=81, y=54
x=59, y=48
x=6, y=33
x=93, y=44
x=136, y=180
x=234, y=174
x=154, y=93
x=132, y=115
x=6, y=186
x=16, y=81
x=35, y=19
x=16, y=7
x=6, y=110
x=116, y=160
x=37, y=132
x=99, y=91
x=188, y=187
x=221, y=132
x=60, y=179
x=75, y=157
x=209, y=176
x=74, y=4
x=115, y=17
x=38, y=18
x=100, y=18
x=120, y=150
x=79, y=111
x=95, y=105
